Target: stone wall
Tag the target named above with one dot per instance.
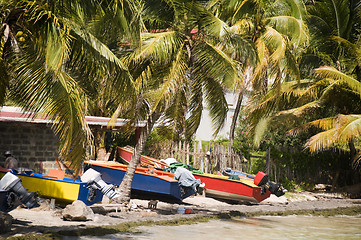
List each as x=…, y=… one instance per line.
x=34, y=145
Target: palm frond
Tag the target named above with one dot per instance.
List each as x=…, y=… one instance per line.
x=275, y=41
x=322, y=141
x=175, y=79
x=214, y=94
x=299, y=111
x=330, y=72
x=215, y=62
x=298, y=9
x=290, y=26
x=350, y=128
x=160, y=46
x=260, y=131
x=57, y=49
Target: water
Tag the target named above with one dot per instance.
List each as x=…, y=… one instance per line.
x=261, y=228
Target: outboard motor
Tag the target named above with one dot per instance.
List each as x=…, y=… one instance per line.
x=12, y=184
x=262, y=180
x=94, y=181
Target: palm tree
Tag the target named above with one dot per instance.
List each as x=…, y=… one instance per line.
x=325, y=105
x=277, y=32
x=334, y=42
x=334, y=25
x=47, y=54
x=176, y=67
x=343, y=128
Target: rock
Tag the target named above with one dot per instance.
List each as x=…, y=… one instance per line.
x=78, y=211
x=5, y=222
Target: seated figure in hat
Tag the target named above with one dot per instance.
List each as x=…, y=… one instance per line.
x=10, y=161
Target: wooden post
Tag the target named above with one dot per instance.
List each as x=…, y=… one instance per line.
x=175, y=151
x=216, y=158
x=187, y=153
x=183, y=152
x=194, y=154
x=199, y=154
x=268, y=161
x=206, y=159
x=224, y=159
x=179, y=156
x=211, y=158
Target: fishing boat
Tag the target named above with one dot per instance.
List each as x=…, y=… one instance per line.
x=56, y=185
x=146, y=181
x=125, y=153
x=223, y=187
x=248, y=188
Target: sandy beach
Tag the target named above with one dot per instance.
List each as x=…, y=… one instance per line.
x=44, y=219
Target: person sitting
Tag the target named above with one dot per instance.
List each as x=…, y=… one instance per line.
x=10, y=161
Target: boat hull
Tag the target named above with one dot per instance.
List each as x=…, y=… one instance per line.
x=221, y=187
x=64, y=191
x=145, y=181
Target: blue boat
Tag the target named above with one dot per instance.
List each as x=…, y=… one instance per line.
x=146, y=182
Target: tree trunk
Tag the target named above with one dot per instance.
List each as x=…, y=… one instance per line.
x=100, y=152
x=235, y=116
x=125, y=186
x=247, y=77
x=353, y=151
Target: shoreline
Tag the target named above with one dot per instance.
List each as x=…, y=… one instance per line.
x=46, y=223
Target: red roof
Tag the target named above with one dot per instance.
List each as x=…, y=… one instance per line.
x=15, y=114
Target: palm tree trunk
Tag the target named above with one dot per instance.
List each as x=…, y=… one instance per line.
x=125, y=186
x=353, y=151
x=235, y=116
x=246, y=78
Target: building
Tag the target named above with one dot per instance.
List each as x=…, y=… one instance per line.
x=31, y=139
x=205, y=131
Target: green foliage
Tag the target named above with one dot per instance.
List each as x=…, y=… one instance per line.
x=296, y=166
x=288, y=184
x=257, y=164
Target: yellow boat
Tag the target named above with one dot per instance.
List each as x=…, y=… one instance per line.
x=55, y=185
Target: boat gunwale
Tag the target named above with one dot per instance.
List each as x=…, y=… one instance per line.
x=214, y=176
x=163, y=176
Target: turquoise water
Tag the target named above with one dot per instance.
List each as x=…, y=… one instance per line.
x=260, y=228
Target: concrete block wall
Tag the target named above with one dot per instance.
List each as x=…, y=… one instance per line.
x=34, y=145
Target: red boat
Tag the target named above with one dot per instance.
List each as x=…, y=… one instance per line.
x=126, y=154
x=223, y=187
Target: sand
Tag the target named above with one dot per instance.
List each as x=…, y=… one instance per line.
x=44, y=219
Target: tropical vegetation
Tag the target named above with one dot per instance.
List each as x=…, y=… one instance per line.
x=294, y=65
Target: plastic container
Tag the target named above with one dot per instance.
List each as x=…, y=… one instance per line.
x=181, y=210
x=188, y=210
x=185, y=210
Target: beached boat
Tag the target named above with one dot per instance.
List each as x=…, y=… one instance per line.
x=146, y=181
x=126, y=153
x=55, y=185
x=247, y=188
x=223, y=187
